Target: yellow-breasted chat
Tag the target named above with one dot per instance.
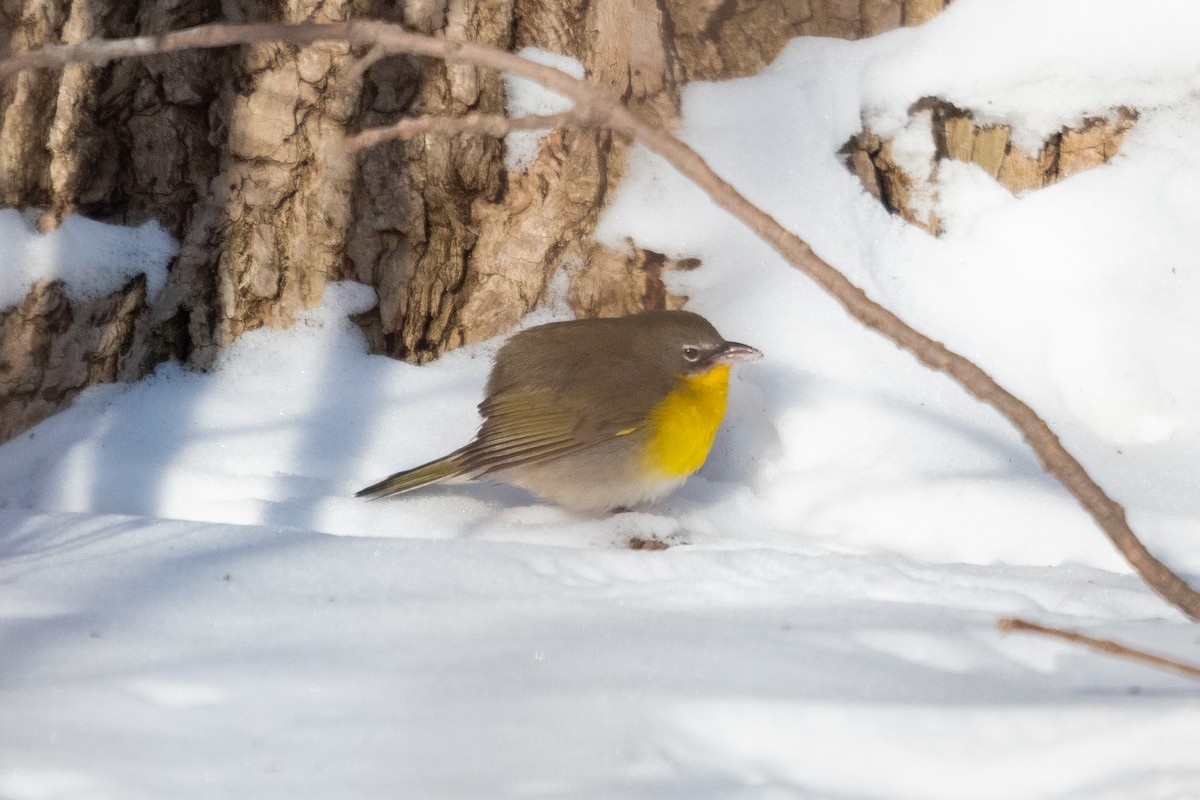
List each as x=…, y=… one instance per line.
x=595, y=414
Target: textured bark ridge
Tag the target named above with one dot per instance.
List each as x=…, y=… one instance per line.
x=719, y=39
x=955, y=135
x=51, y=350
x=238, y=153
x=27, y=102
x=413, y=225
x=267, y=227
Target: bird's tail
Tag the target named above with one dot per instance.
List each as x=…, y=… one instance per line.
x=442, y=469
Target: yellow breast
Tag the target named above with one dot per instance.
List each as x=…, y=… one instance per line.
x=684, y=424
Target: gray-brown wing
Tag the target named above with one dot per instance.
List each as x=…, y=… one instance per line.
x=538, y=425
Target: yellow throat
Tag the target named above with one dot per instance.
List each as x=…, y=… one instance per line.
x=684, y=423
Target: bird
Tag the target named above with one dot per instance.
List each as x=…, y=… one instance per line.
x=602, y=414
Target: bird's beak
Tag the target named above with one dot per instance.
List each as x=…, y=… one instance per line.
x=736, y=351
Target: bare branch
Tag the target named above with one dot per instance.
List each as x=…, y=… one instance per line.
x=593, y=104
x=356, y=71
x=486, y=124
x=1013, y=624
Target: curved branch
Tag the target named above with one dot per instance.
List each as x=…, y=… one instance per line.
x=593, y=106
x=1016, y=624
x=496, y=125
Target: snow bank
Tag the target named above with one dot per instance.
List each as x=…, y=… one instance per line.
x=91, y=258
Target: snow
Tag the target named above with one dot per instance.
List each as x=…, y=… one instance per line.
x=91, y=258
x=524, y=97
x=192, y=604
x=1057, y=63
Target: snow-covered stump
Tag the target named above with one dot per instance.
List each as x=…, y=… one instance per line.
x=903, y=172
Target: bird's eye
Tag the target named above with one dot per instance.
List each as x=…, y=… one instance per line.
x=691, y=353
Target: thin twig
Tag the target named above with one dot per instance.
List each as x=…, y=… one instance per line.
x=593, y=103
x=1013, y=624
x=474, y=123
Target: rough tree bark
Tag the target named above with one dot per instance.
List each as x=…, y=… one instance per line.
x=236, y=153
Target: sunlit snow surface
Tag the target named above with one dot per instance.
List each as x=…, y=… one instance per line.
x=193, y=605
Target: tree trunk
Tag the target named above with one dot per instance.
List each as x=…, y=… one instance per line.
x=238, y=154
